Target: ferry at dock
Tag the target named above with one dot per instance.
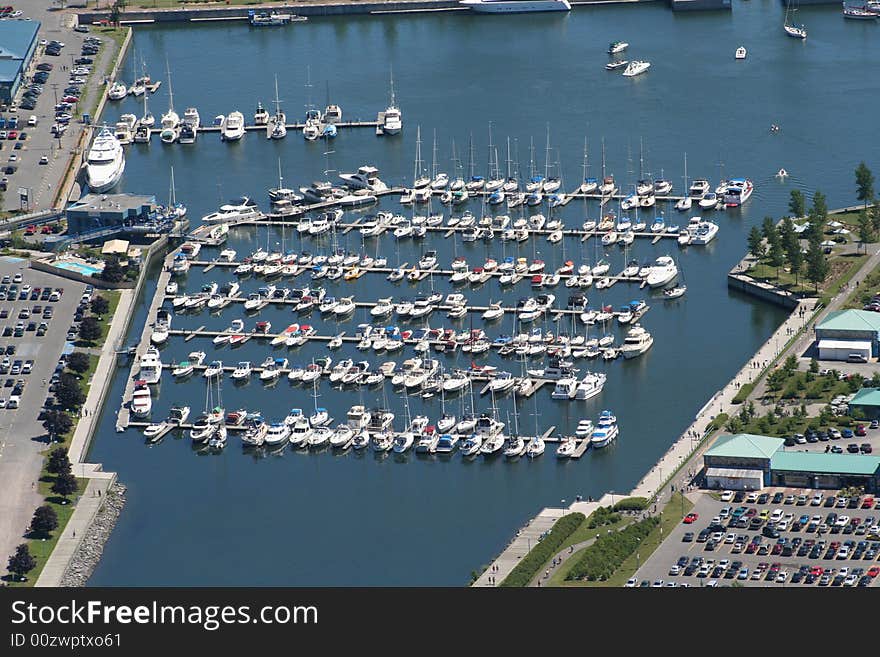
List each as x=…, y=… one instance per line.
x=515, y=6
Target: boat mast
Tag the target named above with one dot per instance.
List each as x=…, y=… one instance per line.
x=434, y=157
x=417, y=167
x=277, y=105
x=508, y=158
x=547, y=155
x=393, y=103
x=471, y=164
x=172, y=198
x=170, y=90
x=532, y=157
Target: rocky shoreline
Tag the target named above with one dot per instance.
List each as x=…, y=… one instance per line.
x=87, y=555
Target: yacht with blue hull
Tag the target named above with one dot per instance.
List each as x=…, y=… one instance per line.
x=515, y=6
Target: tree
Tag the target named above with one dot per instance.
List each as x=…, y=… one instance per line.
x=864, y=184
x=788, y=237
x=65, y=484
x=768, y=229
x=814, y=366
x=68, y=392
x=817, y=265
x=775, y=380
x=58, y=461
x=819, y=209
x=796, y=262
x=756, y=243
x=21, y=562
x=78, y=362
x=776, y=255
x=100, y=305
x=90, y=329
x=57, y=423
x=113, y=271
x=45, y=520
x=797, y=205
x=790, y=364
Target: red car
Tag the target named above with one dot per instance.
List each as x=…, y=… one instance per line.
x=30, y=230
x=860, y=430
x=690, y=518
x=12, y=134
x=817, y=571
x=70, y=99
x=868, y=502
x=873, y=571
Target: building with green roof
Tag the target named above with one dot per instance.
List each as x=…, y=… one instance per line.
x=18, y=43
x=866, y=403
x=848, y=331
x=825, y=470
x=740, y=461
x=750, y=462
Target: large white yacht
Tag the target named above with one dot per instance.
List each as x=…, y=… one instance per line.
x=606, y=430
x=662, y=271
x=189, y=128
x=738, y=192
x=105, y=163
x=636, y=342
x=150, y=366
x=392, y=123
x=239, y=209
x=515, y=6
x=702, y=232
x=232, y=128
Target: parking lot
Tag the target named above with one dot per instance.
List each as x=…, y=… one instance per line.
x=22, y=436
x=777, y=537
x=35, y=158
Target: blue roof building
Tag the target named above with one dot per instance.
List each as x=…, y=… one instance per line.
x=18, y=43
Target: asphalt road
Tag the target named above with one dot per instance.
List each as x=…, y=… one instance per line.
x=22, y=437
x=42, y=180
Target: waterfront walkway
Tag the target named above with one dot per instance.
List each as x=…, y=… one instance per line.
x=90, y=501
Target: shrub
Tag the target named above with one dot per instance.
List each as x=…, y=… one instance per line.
x=530, y=564
x=632, y=504
x=602, y=558
x=602, y=516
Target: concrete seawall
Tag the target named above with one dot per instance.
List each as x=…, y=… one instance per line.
x=763, y=291
x=225, y=12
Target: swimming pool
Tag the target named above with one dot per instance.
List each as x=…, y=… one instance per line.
x=85, y=270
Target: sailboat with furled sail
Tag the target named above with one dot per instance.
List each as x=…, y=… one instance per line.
x=792, y=29
x=171, y=119
x=276, y=128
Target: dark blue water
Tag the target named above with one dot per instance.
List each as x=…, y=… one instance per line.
x=357, y=519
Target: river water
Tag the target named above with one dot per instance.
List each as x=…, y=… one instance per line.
x=357, y=519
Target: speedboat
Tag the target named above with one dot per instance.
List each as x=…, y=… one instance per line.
x=566, y=447
x=662, y=271
x=709, y=201
x=616, y=47
x=675, y=292
x=740, y=53
x=636, y=67
x=738, y=192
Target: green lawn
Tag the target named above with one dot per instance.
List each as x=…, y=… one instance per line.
x=669, y=518
x=869, y=286
x=41, y=549
x=112, y=297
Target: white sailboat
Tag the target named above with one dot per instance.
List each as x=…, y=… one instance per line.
x=791, y=29
x=276, y=127
x=170, y=120
x=684, y=204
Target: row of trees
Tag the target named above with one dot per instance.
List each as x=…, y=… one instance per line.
x=781, y=244
x=45, y=519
